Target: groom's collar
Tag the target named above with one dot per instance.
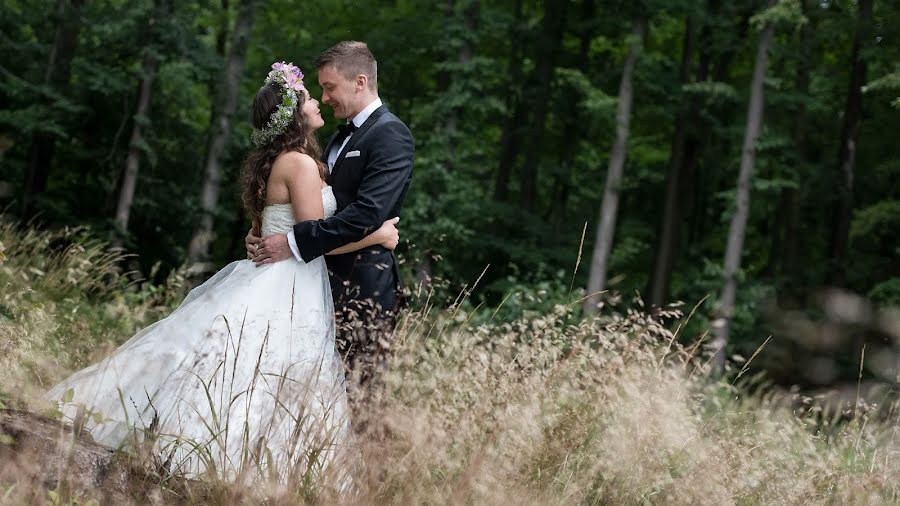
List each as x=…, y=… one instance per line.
x=363, y=115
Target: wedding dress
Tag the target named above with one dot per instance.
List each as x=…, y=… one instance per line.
x=243, y=375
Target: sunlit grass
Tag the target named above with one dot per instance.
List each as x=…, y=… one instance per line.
x=547, y=409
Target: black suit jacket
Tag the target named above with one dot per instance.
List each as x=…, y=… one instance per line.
x=369, y=189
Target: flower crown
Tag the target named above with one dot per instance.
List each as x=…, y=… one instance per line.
x=289, y=78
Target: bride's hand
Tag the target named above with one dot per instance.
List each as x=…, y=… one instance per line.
x=388, y=234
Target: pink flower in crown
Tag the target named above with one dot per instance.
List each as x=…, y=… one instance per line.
x=287, y=75
x=292, y=82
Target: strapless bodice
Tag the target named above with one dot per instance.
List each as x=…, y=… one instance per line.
x=279, y=218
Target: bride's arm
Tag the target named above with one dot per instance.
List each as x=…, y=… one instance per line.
x=304, y=185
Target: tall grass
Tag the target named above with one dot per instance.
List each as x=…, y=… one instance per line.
x=547, y=409
x=65, y=302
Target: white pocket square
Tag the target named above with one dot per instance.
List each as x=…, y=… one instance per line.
x=351, y=154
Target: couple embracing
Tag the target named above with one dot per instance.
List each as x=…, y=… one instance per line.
x=280, y=356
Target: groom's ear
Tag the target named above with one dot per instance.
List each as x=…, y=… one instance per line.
x=362, y=80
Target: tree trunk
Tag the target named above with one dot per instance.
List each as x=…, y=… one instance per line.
x=570, y=117
x=463, y=57
x=786, y=252
x=609, y=208
x=551, y=42
x=220, y=130
x=133, y=161
x=704, y=176
x=738, y=227
x=843, y=209
x=57, y=74
x=444, y=81
x=510, y=141
x=511, y=136
x=697, y=137
x=670, y=222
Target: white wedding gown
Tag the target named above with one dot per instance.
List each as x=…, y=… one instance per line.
x=243, y=375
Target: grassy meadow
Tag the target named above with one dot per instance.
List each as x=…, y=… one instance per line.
x=548, y=409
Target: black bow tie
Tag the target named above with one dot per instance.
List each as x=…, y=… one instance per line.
x=345, y=130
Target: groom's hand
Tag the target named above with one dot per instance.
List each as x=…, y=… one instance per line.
x=252, y=242
x=272, y=249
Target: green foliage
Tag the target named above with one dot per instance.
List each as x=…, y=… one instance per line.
x=784, y=12
x=878, y=224
x=886, y=292
x=459, y=73
x=553, y=295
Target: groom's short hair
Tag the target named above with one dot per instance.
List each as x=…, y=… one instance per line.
x=351, y=58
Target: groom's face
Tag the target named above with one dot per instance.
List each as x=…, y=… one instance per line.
x=338, y=92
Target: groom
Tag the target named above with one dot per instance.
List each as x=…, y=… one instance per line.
x=370, y=162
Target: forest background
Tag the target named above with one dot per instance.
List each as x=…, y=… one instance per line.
x=736, y=155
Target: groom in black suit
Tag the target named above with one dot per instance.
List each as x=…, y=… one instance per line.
x=370, y=162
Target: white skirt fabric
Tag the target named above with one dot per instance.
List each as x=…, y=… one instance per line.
x=242, y=377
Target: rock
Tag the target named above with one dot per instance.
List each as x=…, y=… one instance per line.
x=40, y=454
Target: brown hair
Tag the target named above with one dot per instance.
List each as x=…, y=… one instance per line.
x=351, y=58
x=257, y=167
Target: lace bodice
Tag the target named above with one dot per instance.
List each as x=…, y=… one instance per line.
x=279, y=218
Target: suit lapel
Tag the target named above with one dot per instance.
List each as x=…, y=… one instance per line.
x=357, y=135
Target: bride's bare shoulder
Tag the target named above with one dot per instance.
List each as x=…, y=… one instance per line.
x=291, y=161
x=293, y=165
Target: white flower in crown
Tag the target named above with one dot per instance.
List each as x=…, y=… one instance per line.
x=289, y=78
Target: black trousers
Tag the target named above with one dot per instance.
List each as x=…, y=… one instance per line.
x=365, y=341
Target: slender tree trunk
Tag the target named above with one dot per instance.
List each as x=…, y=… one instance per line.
x=463, y=57
x=698, y=133
x=510, y=141
x=786, y=252
x=570, y=119
x=706, y=176
x=444, y=82
x=220, y=130
x=551, y=42
x=58, y=71
x=670, y=222
x=133, y=161
x=609, y=208
x=843, y=209
x=738, y=228
x=222, y=35
x=511, y=136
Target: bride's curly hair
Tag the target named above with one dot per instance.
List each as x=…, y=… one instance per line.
x=257, y=167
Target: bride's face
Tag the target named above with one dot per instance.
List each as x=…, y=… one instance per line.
x=310, y=109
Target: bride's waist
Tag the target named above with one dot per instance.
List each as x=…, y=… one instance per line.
x=267, y=231
x=288, y=263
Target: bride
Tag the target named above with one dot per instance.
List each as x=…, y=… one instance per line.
x=243, y=376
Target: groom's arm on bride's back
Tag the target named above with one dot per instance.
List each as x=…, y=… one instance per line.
x=384, y=180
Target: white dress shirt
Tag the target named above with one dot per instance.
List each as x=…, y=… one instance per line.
x=357, y=120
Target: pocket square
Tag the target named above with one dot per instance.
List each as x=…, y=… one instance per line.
x=351, y=154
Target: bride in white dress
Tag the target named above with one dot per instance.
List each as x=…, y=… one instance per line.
x=243, y=377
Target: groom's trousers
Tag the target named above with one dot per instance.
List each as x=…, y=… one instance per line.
x=365, y=342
